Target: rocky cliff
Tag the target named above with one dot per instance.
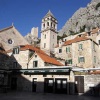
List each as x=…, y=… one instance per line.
x=83, y=19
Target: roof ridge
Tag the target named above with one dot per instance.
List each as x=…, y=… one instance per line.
x=49, y=14
x=6, y=28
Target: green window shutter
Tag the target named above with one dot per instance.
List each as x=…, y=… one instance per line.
x=79, y=59
x=94, y=59
x=66, y=49
x=80, y=46
x=71, y=61
x=69, y=49
x=83, y=59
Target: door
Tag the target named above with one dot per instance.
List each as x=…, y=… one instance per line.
x=14, y=83
x=48, y=85
x=79, y=84
x=61, y=86
x=1, y=80
x=34, y=82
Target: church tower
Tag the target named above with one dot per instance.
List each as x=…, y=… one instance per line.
x=48, y=33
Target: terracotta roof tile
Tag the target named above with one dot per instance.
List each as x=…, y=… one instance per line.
x=42, y=54
x=77, y=39
x=95, y=72
x=48, y=59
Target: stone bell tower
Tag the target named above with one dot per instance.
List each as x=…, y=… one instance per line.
x=48, y=33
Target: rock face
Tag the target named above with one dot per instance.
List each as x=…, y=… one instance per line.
x=32, y=37
x=83, y=19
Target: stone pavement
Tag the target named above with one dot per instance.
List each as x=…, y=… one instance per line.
x=42, y=96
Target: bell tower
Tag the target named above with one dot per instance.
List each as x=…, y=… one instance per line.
x=48, y=33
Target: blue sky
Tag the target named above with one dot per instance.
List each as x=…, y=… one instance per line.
x=26, y=14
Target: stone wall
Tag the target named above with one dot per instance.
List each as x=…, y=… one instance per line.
x=92, y=84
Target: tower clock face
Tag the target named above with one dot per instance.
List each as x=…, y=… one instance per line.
x=10, y=41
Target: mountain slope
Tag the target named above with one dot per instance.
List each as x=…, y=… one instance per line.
x=83, y=19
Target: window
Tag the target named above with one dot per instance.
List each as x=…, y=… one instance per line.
x=44, y=45
x=81, y=59
x=80, y=46
x=43, y=25
x=53, y=45
x=51, y=24
x=45, y=36
x=67, y=49
x=47, y=23
x=35, y=63
x=54, y=25
x=53, y=36
x=60, y=50
x=94, y=59
x=10, y=41
x=35, y=56
x=16, y=50
x=14, y=64
x=79, y=35
x=99, y=42
x=69, y=61
x=89, y=33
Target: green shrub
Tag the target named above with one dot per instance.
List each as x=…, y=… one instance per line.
x=98, y=5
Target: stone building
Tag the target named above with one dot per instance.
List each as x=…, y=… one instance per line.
x=10, y=37
x=29, y=68
x=78, y=50
x=37, y=70
x=48, y=33
x=3, y=66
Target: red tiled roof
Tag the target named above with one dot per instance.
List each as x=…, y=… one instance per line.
x=48, y=59
x=95, y=72
x=77, y=39
x=42, y=54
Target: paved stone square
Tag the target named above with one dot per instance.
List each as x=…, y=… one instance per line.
x=42, y=96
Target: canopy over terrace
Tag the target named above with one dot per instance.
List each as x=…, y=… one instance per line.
x=49, y=70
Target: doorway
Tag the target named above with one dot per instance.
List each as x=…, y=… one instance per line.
x=79, y=84
x=34, y=84
x=48, y=85
x=14, y=83
x=61, y=86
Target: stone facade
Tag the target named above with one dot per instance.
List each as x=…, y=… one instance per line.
x=10, y=37
x=92, y=84
x=75, y=48
x=32, y=37
x=48, y=33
